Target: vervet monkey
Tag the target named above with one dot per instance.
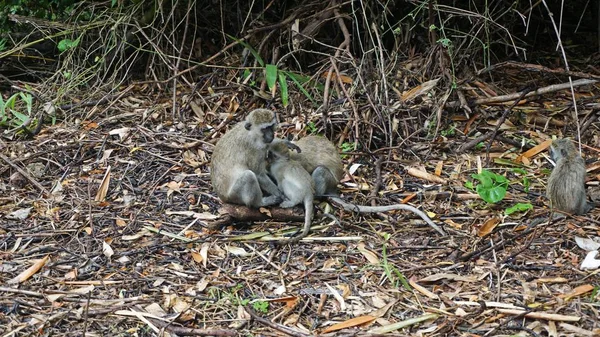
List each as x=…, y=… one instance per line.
x=295, y=182
x=320, y=158
x=566, y=185
x=238, y=168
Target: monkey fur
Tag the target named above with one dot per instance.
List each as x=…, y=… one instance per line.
x=320, y=157
x=238, y=168
x=566, y=185
x=295, y=182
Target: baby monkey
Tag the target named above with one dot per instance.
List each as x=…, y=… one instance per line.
x=566, y=185
x=294, y=181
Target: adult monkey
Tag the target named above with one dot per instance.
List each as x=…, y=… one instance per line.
x=238, y=168
x=320, y=158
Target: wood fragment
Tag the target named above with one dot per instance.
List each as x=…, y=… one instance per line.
x=230, y=213
x=541, y=315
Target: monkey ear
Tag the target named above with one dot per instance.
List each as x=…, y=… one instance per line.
x=248, y=125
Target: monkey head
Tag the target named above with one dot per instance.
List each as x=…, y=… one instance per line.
x=562, y=148
x=261, y=123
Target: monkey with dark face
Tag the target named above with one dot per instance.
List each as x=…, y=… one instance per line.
x=295, y=182
x=566, y=185
x=320, y=158
x=238, y=168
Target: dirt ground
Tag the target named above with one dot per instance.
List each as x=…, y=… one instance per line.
x=105, y=231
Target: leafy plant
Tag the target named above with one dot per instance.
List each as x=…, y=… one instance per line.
x=312, y=128
x=274, y=75
x=391, y=271
x=491, y=187
x=261, y=306
x=10, y=116
x=347, y=147
x=451, y=131
x=520, y=207
x=526, y=182
x=66, y=44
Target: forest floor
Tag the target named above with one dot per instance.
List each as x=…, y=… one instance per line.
x=104, y=232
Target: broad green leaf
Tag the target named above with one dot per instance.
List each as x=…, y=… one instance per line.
x=271, y=74
x=284, y=89
x=67, y=44
x=520, y=207
x=23, y=118
x=491, y=194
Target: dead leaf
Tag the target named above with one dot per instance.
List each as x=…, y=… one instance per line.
x=419, y=90
x=582, y=289
x=369, y=255
x=533, y=151
x=107, y=250
x=438, y=168
x=356, y=321
x=103, y=189
x=488, y=226
x=121, y=132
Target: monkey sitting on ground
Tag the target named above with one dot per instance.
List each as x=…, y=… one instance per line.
x=295, y=182
x=320, y=158
x=566, y=185
x=238, y=168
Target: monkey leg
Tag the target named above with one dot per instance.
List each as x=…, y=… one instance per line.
x=293, y=194
x=325, y=182
x=246, y=191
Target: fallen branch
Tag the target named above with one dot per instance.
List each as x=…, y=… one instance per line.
x=229, y=213
x=513, y=96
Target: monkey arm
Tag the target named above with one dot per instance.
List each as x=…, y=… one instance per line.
x=374, y=209
x=266, y=184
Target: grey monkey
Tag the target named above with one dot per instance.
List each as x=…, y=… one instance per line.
x=238, y=168
x=566, y=185
x=295, y=182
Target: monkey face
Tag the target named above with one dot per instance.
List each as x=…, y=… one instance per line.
x=268, y=133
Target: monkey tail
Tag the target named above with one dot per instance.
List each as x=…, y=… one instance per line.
x=374, y=209
x=308, y=214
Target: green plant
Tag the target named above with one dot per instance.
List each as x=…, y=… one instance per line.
x=312, y=128
x=451, y=131
x=274, y=75
x=347, y=147
x=66, y=44
x=520, y=207
x=261, y=306
x=491, y=187
x=391, y=270
x=10, y=116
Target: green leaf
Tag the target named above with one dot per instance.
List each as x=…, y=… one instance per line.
x=23, y=118
x=469, y=184
x=284, y=89
x=67, y=44
x=526, y=184
x=261, y=306
x=519, y=170
x=491, y=194
x=491, y=187
x=520, y=207
x=252, y=51
x=297, y=80
x=271, y=73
